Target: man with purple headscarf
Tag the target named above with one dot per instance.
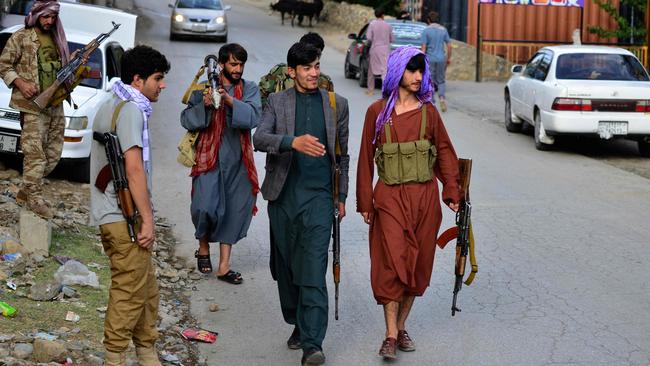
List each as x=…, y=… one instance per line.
x=29, y=64
x=404, y=210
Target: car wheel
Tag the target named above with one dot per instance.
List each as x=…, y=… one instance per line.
x=172, y=37
x=363, y=74
x=347, y=70
x=543, y=142
x=80, y=172
x=644, y=146
x=511, y=126
x=223, y=39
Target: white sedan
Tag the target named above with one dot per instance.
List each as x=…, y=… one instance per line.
x=580, y=90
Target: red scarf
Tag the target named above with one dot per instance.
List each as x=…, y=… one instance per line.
x=209, y=141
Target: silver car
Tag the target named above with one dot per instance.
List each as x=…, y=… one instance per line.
x=199, y=18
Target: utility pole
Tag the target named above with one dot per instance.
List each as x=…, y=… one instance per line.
x=647, y=35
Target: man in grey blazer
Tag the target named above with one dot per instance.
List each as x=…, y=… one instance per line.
x=298, y=130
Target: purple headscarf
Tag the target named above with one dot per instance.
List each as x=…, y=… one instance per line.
x=397, y=62
x=49, y=7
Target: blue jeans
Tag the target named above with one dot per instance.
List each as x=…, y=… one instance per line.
x=438, y=69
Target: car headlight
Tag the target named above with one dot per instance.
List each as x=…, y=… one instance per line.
x=179, y=18
x=220, y=20
x=76, y=123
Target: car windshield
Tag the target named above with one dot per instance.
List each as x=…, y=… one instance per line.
x=200, y=4
x=95, y=62
x=600, y=66
x=407, y=32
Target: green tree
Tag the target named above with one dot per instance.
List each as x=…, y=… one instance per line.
x=625, y=29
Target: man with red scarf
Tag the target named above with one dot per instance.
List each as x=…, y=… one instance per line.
x=29, y=63
x=224, y=179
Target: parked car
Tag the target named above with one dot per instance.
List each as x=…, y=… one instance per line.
x=580, y=90
x=82, y=24
x=405, y=33
x=199, y=18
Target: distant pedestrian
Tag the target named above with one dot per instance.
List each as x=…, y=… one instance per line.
x=298, y=131
x=380, y=36
x=403, y=209
x=133, y=297
x=278, y=78
x=224, y=178
x=435, y=41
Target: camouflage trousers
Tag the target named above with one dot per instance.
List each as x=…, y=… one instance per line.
x=42, y=142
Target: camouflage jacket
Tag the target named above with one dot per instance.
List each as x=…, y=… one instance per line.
x=278, y=80
x=20, y=59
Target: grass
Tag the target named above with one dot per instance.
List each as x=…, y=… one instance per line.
x=49, y=316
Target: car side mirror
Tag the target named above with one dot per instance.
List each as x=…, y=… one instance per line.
x=170, y=6
x=227, y=7
x=352, y=36
x=516, y=69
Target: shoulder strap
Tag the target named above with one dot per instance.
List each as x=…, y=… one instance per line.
x=387, y=133
x=337, y=144
x=193, y=86
x=389, y=140
x=116, y=114
x=423, y=124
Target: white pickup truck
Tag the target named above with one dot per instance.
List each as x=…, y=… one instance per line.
x=82, y=24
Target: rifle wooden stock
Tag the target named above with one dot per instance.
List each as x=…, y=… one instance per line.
x=465, y=170
x=126, y=204
x=43, y=99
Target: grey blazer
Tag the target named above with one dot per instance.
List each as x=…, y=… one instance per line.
x=279, y=120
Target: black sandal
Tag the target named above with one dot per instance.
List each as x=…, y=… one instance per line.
x=203, y=262
x=232, y=277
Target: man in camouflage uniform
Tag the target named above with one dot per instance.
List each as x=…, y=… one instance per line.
x=29, y=63
x=278, y=78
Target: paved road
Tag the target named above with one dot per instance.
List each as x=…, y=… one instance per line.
x=562, y=239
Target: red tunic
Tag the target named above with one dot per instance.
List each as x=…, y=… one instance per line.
x=406, y=216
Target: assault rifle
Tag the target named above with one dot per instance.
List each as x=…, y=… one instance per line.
x=462, y=232
x=70, y=75
x=336, y=240
x=115, y=171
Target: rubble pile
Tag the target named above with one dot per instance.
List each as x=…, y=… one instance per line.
x=66, y=345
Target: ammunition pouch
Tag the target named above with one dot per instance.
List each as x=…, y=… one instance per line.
x=47, y=73
x=406, y=162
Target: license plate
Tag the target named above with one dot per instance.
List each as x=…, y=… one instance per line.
x=612, y=128
x=199, y=28
x=8, y=143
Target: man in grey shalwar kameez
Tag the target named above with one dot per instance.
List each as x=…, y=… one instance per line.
x=224, y=183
